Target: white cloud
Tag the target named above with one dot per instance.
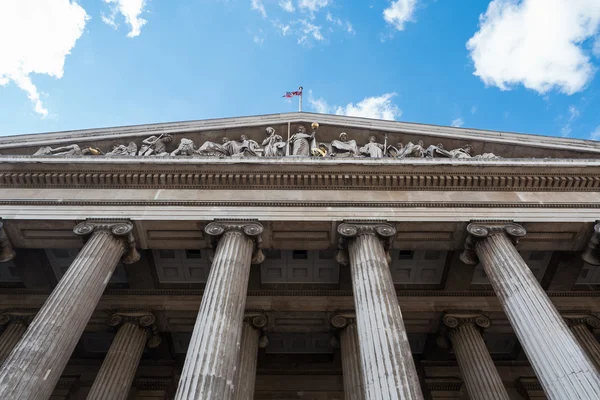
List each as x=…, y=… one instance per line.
x=130, y=10
x=287, y=5
x=284, y=29
x=536, y=43
x=259, y=6
x=37, y=35
x=312, y=5
x=309, y=31
x=259, y=37
x=596, y=134
x=346, y=25
x=573, y=114
x=400, y=12
x=377, y=107
x=458, y=122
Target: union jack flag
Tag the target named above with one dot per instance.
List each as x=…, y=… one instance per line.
x=289, y=95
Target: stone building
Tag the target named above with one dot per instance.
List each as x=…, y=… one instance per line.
x=397, y=261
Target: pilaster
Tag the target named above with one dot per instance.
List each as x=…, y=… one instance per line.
x=560, y=363
x=34, y=366
x=119, y=367
x=388, y=368
x=7, y=252
x=478, y=370
x=212, y=356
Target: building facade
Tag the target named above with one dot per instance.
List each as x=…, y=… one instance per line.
x=299, y=256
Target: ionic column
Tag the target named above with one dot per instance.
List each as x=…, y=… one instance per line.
x=246, y=367
x=388, y=368
x=591, y=254
x=351, y=367
x=212, y=356
x=34, y=367
x=478, y=370
x=115, y=377
x=6, y=250
x=16, y=322
x=582, y=325
x=560, y=363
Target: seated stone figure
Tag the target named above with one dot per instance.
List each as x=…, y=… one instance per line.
x=155, y=145
x=373, y=149
x=245, y=148
x=461, y=152
x=413, y=150
x=186, y=148
x=436, y=151
x=274, y=146
x=394, y=151
x=213, y=149
x=343, y=147
x=122, y=150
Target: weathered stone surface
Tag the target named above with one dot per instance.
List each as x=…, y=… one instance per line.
x=478, y=370
x=388, y=367
x=6, y=250
x=560, y=363
x=582, y=325
x=35, y=365
x=212, y=355
x=246, y=367
x=351, y=365
x=16, y=322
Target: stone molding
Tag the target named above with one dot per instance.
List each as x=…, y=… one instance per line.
x=351, y=229
x=309, y=180
x=590, y=321
x=455, y=320
x=144, y=319
x=22, y=316
x=591, y=255
x=152, y=383
x=251, y=229
x=529, y=388
x=120, y=228
x=7, y=252
x=445, y=384
x=478, y=231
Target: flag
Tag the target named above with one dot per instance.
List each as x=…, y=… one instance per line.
x=289, y=95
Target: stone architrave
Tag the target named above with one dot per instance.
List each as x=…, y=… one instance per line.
x=478, y=370
x=35, y=365
x=118, y=369
x=246, y=367
x=16, y=322
x=559, y=361
x=591, y=254
x=351, y=367
x=388, y=367
x=582, y=325
x=209, y=369
x=6, y=250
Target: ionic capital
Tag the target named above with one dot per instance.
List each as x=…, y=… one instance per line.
x=591, y=254
x=258, y=321
x=119, y=228
x=456, y=319
x=18, y=316
x=349, y=230
x=144, y=319
x=581, y=318
x=251, y=229
x=7, y=252
x=342, y=319
x=478, y=231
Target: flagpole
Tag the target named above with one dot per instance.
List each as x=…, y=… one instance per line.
x=300, y=99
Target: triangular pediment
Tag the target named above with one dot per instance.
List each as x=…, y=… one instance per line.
x=502, y=144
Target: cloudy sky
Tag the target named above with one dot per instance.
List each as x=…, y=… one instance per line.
x=513, y=65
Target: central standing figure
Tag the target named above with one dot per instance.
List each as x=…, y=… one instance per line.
x=301, y=143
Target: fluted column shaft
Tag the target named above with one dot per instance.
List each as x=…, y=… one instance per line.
x=212, y=356
x=246, y=371
x=478, y=370
x=115, y=377
x=588, y=341
x=388, y=368
x=34, y=367
x=351, y=368
x=561, y=365
x=10, y=337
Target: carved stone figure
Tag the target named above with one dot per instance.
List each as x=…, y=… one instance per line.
x=302, y=143
x=436, y=150
x=461, y=152
x=343, y=147
x=71, y=150
x=122, y=150
x=155, y=146
x=274, y=145
x=245, y=148
x=487, y=156
x=373, y=149
x=394, y=151
x=213, y=149
x=413, y=150
x=186, y=148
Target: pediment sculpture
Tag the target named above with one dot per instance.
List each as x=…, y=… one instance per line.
x=299, y=144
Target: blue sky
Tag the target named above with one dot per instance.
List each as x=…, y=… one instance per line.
x=514, y=65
